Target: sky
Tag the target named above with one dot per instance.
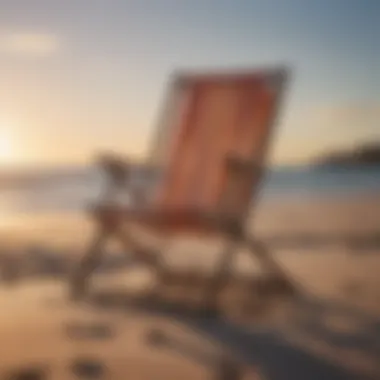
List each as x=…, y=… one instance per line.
x=79, y=76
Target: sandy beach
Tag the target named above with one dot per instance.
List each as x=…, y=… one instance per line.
x=176, y=114
x=335, y=333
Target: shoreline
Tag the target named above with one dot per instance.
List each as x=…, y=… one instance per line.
x=270, y=218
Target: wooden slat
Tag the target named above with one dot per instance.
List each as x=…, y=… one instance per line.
x=223, y=114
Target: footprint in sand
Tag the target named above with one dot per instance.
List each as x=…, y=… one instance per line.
x=32, y=373
x=88, y=368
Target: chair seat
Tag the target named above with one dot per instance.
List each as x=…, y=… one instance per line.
x=178, y=220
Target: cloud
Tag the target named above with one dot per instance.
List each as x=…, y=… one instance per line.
x=29, y=44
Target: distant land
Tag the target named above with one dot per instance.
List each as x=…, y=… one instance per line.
x=368, y=154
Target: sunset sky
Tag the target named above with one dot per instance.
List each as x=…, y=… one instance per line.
x=81, y=75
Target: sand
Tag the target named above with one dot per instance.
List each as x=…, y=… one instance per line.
x=335, y=333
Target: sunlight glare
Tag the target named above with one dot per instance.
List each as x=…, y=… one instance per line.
x=6, y=148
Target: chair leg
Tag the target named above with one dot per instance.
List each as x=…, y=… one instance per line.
x=147, y=256
x=88, y=264
x=260, y=251
x=221, y=276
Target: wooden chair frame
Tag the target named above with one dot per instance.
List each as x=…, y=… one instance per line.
x=110, y=220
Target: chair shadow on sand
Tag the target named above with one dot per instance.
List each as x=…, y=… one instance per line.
x=341, y=326
x=277, y=356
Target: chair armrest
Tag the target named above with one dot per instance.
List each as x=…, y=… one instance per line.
x=120, y=167
x=126, y=179
x=117, y=168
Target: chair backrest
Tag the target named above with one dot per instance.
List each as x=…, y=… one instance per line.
x=213, y=140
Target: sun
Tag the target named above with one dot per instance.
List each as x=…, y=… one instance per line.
x=6, y=147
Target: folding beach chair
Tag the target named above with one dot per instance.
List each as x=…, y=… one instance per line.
x=209, y=151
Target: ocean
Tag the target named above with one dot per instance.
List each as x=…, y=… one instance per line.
x=72, y=190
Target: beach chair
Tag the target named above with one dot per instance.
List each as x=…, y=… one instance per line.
x=208, y=157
